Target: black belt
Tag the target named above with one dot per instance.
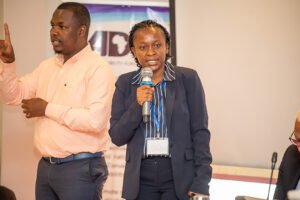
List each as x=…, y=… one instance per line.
x=156, y=156
x=78, y=156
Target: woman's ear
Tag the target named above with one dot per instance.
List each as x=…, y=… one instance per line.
x=168, y=49
x=133, y=51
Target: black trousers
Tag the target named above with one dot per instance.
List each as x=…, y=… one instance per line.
x=76, y=180
x=156, y=180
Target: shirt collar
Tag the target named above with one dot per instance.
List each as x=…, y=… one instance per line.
x=169, y=74
x=60, y=58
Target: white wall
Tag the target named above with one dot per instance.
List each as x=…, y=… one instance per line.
x=1, y=36
x=247, y=55
x=1, y=17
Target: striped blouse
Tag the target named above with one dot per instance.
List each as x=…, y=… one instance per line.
x=158, y=113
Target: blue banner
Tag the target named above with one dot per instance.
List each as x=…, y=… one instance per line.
x=109, y=31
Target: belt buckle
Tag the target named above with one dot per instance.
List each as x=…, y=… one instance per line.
x=50, y=160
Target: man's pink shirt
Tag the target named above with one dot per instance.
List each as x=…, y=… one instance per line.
x=79, y=95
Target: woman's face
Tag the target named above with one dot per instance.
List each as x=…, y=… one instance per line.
x=150, y=48
x=297, y=137
x=297, y=132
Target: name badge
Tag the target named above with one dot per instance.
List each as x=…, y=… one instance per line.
x=157, y=146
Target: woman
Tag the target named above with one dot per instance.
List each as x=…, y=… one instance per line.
x=167, y=158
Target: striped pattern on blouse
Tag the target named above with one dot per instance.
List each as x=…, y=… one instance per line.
x=158, y=103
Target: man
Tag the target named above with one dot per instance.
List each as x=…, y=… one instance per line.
x=289, y=170
x=70, y=96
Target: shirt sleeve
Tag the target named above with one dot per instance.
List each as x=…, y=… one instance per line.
x=200, y=133
x=92, y=117
x=125, y=119
x=13, y=89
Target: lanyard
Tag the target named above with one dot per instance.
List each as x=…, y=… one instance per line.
x=157, y=116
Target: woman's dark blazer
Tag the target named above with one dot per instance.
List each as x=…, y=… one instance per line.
x=187, y=124
x=289, y=173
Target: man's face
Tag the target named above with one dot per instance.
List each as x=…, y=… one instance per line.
x=297, y=137
x=64, y=33
x=150, y=48
x=297, y=133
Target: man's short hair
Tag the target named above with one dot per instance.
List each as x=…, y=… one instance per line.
x=81, y=13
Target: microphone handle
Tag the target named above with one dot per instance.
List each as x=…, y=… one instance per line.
x=270, y=181
x=273, y=165
x=146, y=112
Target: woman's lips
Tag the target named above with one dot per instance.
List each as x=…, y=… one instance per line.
x=152, y=62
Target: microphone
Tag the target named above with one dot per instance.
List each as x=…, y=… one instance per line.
x=146, y=74
x=273, y=160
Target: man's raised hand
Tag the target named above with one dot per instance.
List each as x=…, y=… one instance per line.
x=7, y=54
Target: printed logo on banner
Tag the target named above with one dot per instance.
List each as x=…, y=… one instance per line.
x=109, y=31
x=110, y=43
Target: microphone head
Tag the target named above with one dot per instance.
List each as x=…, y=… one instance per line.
x=274, y=157
x=146, y=72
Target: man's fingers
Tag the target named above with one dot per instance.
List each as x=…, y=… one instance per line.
x=25, y=100
x=6, y=32
x=25, y=104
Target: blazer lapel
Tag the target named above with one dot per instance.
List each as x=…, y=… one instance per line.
x=170, y=99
